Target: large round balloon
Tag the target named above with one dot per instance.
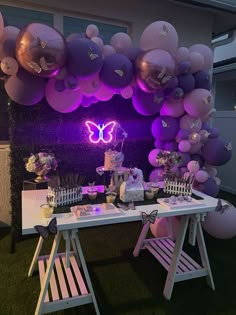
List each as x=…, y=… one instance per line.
x=90, y=86
x=217, y=151
x=165, y=128
x=161, y=35
x=41, y=49
x=155, y=69
x=147, y=104
x=8, y=41
x=84, y=57
x=24, y=88
x=117, y=71
x=172, y=108
x=198, y=103
x=64, y=102
x=221, y=224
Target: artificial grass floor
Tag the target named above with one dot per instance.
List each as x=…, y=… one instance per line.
x=123, y=284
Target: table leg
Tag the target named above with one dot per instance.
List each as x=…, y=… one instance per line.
x=141, y=238
x=175, y=258
x=47, y=276
x=204, y=256
x=86, y=274
x=36, y=255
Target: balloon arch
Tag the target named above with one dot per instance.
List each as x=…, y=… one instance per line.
x=170, y=83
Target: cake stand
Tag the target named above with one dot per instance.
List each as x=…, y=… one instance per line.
x=118, y=175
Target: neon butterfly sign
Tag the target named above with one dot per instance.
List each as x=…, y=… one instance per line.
x=100, y=132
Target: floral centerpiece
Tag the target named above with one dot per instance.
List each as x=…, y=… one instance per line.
x=41, y=164
x=168, y=160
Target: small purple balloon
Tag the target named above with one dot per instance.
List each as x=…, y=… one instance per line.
x=84, y=57
x=147, y=104
x=171, y=146
x=202, y=80
x=165, y=128
x=171, y=85
x=71, y=82
x=176, y=94
x=156, y=175
x=158, y=144
x=185, y=158
x=184, y=67
x=210, y=187
x=117, y=71
x=59, y=85
x=214, y=133
x=183, y=134
x=217, y=151
x=186, y=82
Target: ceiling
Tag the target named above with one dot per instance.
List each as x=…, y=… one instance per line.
x=224, y=12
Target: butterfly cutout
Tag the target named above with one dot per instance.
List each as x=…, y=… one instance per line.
x=123, y=206
x=207, y=99
x=229, y=146
x=120, y=72
x=164, y=124
x=100, y=132
x=195, y=124
x=164, y=30
x=220, y=208
x=42, y=65
x=149, y=217
x=157, y=99
x=91, y=55
x=44, y=231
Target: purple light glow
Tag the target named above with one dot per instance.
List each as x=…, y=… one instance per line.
x=100, y=132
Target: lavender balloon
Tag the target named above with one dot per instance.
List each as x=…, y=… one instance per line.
x=186, y=82
x=59, y=85
x=202, y=80
x=206, y=52
x=8, y=41
x=217, y=151
x=183, y=134
x=152, y=157
x=147, y=104
x=190, y=123
x=84, y=57
x=184, y=67
x=156, y=175
x=210, y=187
x=25, y=88
x=172, y=108
x=117, y=71
x=165, y=128
x=198, y=103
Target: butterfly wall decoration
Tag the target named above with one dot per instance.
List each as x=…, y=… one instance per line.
x=100, y=132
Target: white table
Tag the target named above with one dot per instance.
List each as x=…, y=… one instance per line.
x=178, y=264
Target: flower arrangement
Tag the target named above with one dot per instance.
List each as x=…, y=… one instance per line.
x=168, y=159
x=41, y=163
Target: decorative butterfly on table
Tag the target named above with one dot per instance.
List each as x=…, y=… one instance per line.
x=100, y=132
x=221, y=208
x=123, y=206
x=44, y=231
x=149, y=217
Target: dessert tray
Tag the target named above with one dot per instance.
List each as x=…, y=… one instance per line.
x=95, y=211
x=175, y=203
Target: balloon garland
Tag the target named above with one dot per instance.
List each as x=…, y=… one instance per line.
x=160, y=78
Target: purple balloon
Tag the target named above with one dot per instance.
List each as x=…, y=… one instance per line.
x=217, y=151
x=214, y=133
x=71, y=82
x=205, y=126
x=198, y=158
x=210, y=187
x=171, y=85
x=186, y=82
x=202, y=80
x=184, y=67
x=147, y=104
x=84, y=57
x=59, y=85
x=87, y=101
x=165, y=128
x=182, y=134
x=25, y=88
x=185, y=158
x=159, y=144
x=156, y=175
x=171, y=146
x=117, y=71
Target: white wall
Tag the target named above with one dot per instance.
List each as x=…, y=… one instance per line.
x=193, y=25
x=225, y=95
